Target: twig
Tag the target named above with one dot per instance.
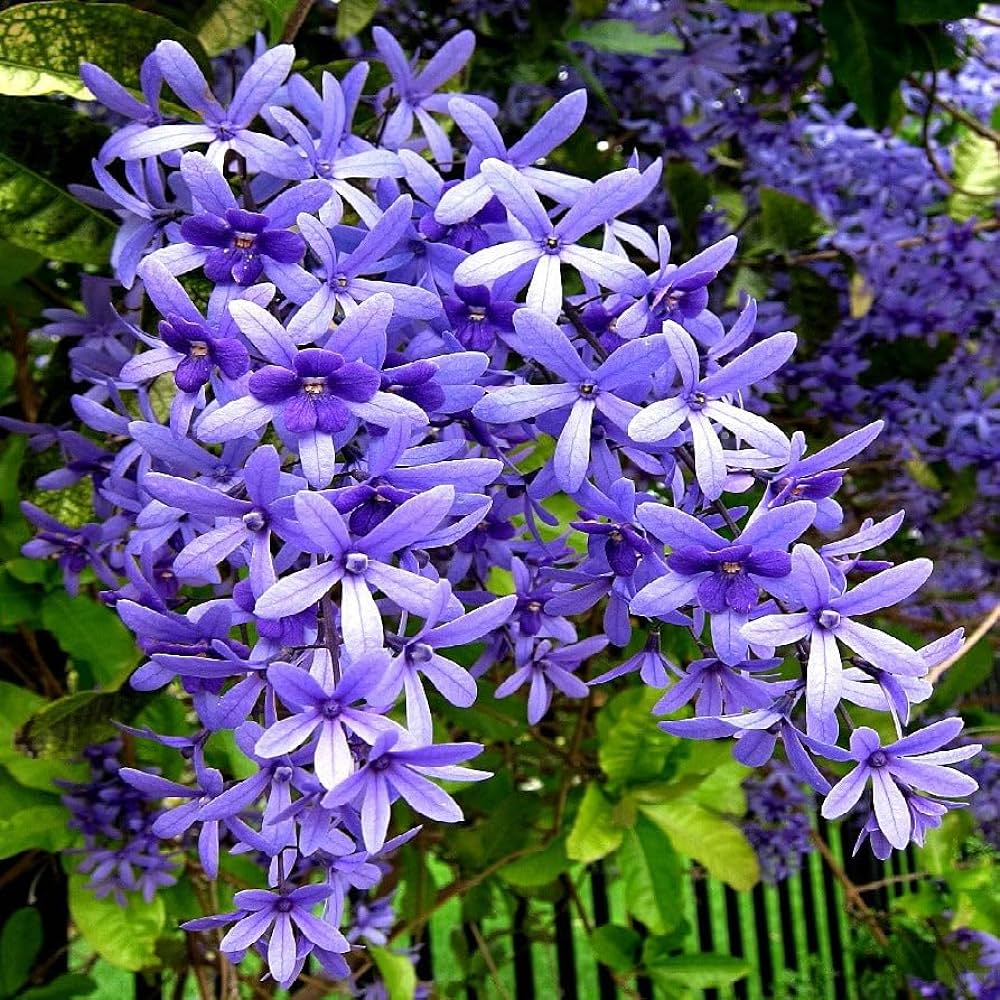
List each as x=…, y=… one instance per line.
x=50, y=684
x=462, y=886
x=985, y=226
x=925, y=141
x=955, y=111
x=484, y=950
x=892, y=880
x=851, y=891
x=296, y=19
x=21, y=865
x=984, y=626
x=24, y=386
x=570, y=766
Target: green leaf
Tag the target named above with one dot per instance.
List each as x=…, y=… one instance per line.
x=537, y=869
x=941, y=846
x=693, y=972
x=631, y=747
x=31, y=819
x=43, y=44
x=16, y=263
x=711, y=839
x=354, y=16
x=976, y=166
x=17, y=705
x=20, y=942
x=927, y=11
x=787, y=222
x=622, y=38
x=89, y=631
x=617, y=947
x=651, y=872
x=73, y=984
x=37, y=215
x=227, y=24
x=18, y=601
x=864, y=53
x=65, y=726
x=397, y=973
x=124, y=936
x=420, y=885
x=594, y=834
x=689, y=193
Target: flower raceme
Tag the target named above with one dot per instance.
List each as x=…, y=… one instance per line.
x=395, y=371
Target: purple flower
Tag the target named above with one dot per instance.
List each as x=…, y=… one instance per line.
x=344, y=282
x=294, y=930
x=546, y=669
x=676, y=293
x=469, y=196
x=314, y=393
x=477, y=318
x=76, y=549
x=724, y=577
x=336, y=155
x=718, y=687
x=178, y=819
x=829, y=617
x=546, y=246
x=233, y=244
x=325, y=707
x=191, y=346
x=412, y=95
x=243, y=521
x=394, y=766
x=757, y=733
x=584, y=390
x=418, y=655
x=361, y=565
x=223, y=129
x=896, y=772
x=702, y=400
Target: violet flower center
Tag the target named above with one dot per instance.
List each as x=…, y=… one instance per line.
x=330, y=709
x=829, y=619
x=356, y=562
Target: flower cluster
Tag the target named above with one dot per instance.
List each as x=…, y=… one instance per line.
x=777, y=823
x=122, y=849
x=366, y=379
x=894, y=270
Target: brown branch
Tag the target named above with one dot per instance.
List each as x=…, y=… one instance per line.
x=295, y=20
x=955, y=111
x=892, y=880
x=984, y=626
x=985, y=226
x=484, y=950
x=24, y=385
x=851, y=891
x=50, y=684
x=461, y=886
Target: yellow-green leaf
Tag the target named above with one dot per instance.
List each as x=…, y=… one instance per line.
x=977, y=173
x=43, y=44
x=124, y=936
x=594, y=834
x=708, y=838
